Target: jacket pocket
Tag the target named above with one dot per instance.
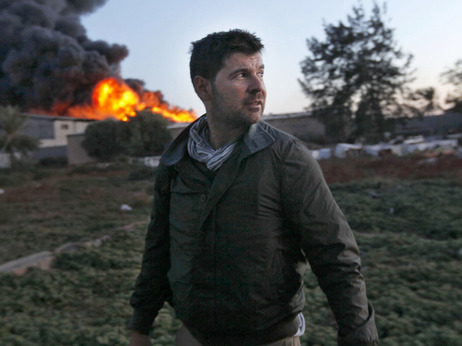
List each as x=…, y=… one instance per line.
x=187, y=199
x=286, y=277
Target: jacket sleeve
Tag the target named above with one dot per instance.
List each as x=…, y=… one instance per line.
x=328, y=244
x=152, y=288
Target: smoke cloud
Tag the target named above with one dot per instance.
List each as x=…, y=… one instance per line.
x=46, y=59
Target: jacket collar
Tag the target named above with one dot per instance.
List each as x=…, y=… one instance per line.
x=258, y=137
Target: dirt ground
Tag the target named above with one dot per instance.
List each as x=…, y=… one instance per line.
x=410, y=167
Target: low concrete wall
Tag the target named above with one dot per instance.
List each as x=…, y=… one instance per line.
x=76, y=154
x=41, y=260
x=51, y=152
x=5, y=160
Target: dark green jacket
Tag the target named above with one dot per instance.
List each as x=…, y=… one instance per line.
x=229, y=251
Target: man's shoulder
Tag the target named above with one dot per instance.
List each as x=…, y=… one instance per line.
x=275, y=132
x=289, y=148
x=283, y=141
x=263, y=135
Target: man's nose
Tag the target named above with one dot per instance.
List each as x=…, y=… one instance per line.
x=256, y=84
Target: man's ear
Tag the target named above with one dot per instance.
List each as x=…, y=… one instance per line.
x=203, y=88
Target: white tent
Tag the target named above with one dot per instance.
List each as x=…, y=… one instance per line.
x=342, y=150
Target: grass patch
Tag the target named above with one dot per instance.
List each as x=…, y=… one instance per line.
x=64, y=207
x=409, y=233
x=420, y=207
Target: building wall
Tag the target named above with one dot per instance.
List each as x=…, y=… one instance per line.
x=5, y=160
x=53, y=130
x=52, y=133
x=39, y=127
x=76, y=154
x=62, y=129
x=301, y=125
x=437, y=125
x=54, y=151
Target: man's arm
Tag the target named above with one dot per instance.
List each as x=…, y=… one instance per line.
x=329, y=246
x=152, y=287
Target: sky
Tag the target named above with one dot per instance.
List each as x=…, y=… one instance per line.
x=158, y=35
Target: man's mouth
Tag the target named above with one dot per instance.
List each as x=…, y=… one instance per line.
x=254, y=103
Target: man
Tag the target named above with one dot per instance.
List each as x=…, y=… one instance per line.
x=239, y=209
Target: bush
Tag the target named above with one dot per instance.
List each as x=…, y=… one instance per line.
x=98, y=168
x=4, y=216
x=13, y=177
x=145, y=135
x=141, y=173
x=53, y=162
x=102, y=139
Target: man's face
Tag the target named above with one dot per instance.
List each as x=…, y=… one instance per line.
x=238, y=91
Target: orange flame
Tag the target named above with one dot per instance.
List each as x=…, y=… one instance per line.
x=113, y=98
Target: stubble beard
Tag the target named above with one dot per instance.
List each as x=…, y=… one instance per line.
x=232, y=118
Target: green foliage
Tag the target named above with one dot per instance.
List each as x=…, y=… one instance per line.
x=409, y=207
x=354, y=76
x=11, y=139
x=453, y=76
x=102, y=139
x=82, y=301
x=19, y=175
x=53, y=162
x=66, y=206
x=141, y=172
x=13, y=177
x=409, y=233
x=4, y=216
x=143, y=135
x=101, y=168
x=146, y=134
x=423, y=102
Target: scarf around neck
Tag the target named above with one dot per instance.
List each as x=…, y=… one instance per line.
x=200, y=149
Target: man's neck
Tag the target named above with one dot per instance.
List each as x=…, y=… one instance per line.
x=219, y=135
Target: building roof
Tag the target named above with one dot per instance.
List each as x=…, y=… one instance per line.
x=54, y=117
x=287, y=115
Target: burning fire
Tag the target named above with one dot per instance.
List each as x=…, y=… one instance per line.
x=114, y=98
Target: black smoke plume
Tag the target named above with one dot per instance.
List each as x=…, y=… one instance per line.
x=46, y=59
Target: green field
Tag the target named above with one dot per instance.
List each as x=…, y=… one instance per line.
x=408, y=226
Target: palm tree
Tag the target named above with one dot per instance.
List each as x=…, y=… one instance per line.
x=12, y=141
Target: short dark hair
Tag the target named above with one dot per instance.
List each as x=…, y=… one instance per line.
x=209, y=53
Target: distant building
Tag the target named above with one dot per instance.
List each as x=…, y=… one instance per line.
x=52, y=132
x=76, y=154
x=429, y=126
x=301, y=125
x=61, y=137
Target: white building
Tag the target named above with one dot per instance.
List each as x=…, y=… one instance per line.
x=52, y=132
